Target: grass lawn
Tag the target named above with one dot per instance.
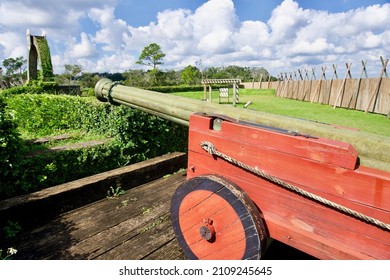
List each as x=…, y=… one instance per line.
x=266, y=101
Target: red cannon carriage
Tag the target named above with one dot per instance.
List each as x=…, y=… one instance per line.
x=248, y=181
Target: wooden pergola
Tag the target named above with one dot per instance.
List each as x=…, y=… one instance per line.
x=210, y=82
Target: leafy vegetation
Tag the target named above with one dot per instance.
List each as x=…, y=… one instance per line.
x=151, y=55
x=115, y=192
x=46, y=72
x=134, y=135
x=14, y=74
x=10, y=144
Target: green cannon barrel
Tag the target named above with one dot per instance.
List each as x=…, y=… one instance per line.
x=374, y=150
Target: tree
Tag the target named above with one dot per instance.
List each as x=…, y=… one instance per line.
x=71, y=71
x=14, y=65
x=15, y=72
x=151, y=55
x=135, y=78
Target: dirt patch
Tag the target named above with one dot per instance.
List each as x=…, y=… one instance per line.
x=49, y=139
x=73, y=146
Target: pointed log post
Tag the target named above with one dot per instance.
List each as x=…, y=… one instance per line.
x=341, y=91
x=376, y=91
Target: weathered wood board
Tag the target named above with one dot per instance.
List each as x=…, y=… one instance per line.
x=135, y=225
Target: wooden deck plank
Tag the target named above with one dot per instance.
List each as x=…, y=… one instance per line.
x=150, y=238
x=30, y=210
x=131, y=226
x=170, y=251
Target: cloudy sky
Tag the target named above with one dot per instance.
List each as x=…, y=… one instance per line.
x=281, y=36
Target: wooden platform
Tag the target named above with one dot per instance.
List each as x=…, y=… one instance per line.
x=78, y=221
x=135, y=225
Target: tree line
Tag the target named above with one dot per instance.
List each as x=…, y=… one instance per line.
x=13, y=73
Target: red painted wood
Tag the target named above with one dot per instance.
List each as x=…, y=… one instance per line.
x=201, y=205
x=321, y=150
x=222, y=206
x=290, y=218
x=296, y=214
x=352, y=185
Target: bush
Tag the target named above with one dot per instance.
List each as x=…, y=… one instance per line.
x=136, y=136
x=172, y=89
x=146, y=136
x=10, y=144
x=42, y=171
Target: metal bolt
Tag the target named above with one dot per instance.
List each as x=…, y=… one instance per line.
x=207, y=232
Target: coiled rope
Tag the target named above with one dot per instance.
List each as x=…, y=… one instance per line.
x=210, y=148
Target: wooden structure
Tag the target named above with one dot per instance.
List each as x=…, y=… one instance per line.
x=362, y=93
x=86, y=221
x=322, y=167
x=223, y=93
x=234, y=82
x=248, y=181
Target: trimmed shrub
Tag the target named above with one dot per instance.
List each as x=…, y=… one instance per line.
x=10, y=144
x=136, y=136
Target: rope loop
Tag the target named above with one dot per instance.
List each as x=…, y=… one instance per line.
x=208, y=147
x=212, y=150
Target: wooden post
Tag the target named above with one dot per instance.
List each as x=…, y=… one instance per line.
x=260, y=81
x=334, y=75
x=313, y=73
x=341, y=91
x=383, y=65
x=204, y=91
x=303, y=82
x=235, y=94
x=309, y=85
x=357, y=90
x=316, y=92
x=295, y=89
x=374, y=95
x=269, y=81
x=278, y=86
x=335, y=71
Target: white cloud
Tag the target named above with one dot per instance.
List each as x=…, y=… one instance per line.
x=174, y=24
x=319, y=46
x=85, y=48
x=112, y=32
x=293, y=37
x=286, y=20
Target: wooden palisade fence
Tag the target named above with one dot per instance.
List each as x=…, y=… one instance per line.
x=364, y=94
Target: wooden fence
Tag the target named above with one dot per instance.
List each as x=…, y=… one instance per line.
x=369, y=95
x=365, y=94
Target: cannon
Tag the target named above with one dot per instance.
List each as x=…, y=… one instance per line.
x=252, y=176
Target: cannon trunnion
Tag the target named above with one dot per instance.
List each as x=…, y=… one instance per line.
x=248, y=181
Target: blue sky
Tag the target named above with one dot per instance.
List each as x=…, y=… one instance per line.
x=281, y=36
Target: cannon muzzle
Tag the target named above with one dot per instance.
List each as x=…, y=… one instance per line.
x=374, y=150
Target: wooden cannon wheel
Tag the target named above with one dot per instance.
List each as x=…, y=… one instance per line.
x=215, y=219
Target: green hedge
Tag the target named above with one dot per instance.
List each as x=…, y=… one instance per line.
x=136, y=136
x=10, y=145
x=41, y=171
x=172, y=89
